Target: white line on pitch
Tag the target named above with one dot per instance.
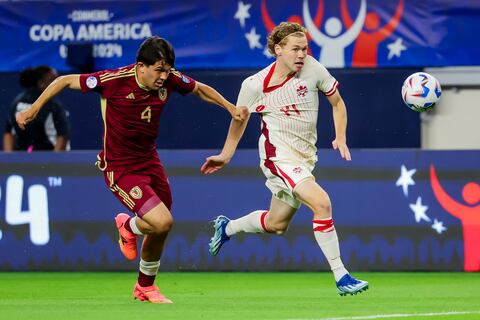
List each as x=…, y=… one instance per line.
x=398, y=315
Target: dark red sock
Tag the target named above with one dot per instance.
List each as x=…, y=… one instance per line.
x=127, y=225
x=144, y=280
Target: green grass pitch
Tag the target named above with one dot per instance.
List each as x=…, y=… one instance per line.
x=249, y=296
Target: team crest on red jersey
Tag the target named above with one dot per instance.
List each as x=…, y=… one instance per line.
x=162, y=94
x=302, y=91
x=136, y=192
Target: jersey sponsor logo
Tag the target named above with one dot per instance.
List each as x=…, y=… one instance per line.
x=136, y=192
x=130, y=96
x=302, y=91
x=91, y=82
x=162, y=94
x=260, y=108
x=185, y=79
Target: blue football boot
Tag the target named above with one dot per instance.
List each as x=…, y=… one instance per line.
x=219, y=236
x=349, y=285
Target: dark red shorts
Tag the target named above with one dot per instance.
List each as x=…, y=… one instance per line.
x=140, y=189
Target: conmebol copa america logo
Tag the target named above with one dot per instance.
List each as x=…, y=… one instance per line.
x=91, y=82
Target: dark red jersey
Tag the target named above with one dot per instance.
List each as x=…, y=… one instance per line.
x=131, y=114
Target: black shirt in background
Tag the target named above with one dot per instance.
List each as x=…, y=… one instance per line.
x=50, y=121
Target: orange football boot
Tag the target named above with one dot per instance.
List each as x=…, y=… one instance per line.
x=126, y=239
x=151, y=294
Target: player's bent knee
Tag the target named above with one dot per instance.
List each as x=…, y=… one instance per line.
x=323, y=207
x=278, y=228
x=162, y=226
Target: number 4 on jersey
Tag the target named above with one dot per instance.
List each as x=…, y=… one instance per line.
x=147, y=114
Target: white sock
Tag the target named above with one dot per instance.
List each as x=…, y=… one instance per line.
x=149, y=268
x=251, y=223
x=133, y=226
x=327, y=240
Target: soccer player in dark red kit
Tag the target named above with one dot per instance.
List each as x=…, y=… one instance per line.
x=133, y=98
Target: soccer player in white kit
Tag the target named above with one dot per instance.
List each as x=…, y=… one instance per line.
x=285, y=95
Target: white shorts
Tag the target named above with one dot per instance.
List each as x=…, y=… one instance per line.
x=283, y=176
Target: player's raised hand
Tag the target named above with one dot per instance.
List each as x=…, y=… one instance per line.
x=341, y=146
x=25, y=116
x=241, y=113
x=214, y=163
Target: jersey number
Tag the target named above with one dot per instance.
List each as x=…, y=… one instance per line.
x=288, y=110
x=147, y=114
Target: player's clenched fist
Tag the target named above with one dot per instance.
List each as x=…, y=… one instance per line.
x=25, y=116
x=241, y=113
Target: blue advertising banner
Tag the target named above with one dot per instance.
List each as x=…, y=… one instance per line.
x=232, y=34
x=393, y=210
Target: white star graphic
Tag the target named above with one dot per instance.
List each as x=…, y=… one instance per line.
x=242, y=12
x=419, y=210
x=253, y=39
x=405, y=179
x=267, y=53
x=438, y=226
x=395, y=48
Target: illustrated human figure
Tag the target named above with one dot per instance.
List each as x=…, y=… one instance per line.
x=366, y=45
x=468, y=213
x=332, y=43
x=270, y=25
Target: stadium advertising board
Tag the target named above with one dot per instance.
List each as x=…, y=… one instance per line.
x=394, y=210
x=347, y=33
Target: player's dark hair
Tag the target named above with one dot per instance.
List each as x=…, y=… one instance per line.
x=280, y=33
x=30, y=76
x=155, y=49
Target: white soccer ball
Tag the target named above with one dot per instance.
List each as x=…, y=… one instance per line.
x=421, y=91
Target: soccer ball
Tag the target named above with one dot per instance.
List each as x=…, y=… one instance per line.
x=421, y=91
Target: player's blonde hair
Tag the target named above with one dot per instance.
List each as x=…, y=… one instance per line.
x=281, y=32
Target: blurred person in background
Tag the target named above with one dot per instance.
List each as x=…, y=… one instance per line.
x=50, y=129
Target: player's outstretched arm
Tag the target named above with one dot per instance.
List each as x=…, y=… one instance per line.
x=209, y=94
x=69, y=81
x=340, y=122
x=235, y=133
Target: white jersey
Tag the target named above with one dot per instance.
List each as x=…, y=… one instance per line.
x=288, y=111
